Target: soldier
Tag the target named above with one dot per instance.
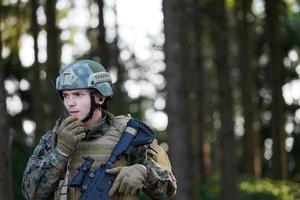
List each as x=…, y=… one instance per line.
x=91, y=130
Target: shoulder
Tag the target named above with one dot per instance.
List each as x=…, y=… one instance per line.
x=119, y=122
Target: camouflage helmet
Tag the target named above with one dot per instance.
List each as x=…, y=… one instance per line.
x=84, y=74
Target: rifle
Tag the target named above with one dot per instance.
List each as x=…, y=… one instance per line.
x=95, y=185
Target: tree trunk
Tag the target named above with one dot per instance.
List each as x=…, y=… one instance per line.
x=192, y=81
x=103, y=49
x=194, y=78
x=53, y=62
x=5, y=142
x=200, y=89
x=274, y=38
x=119, y=106
x=228, y=155
x=251, y=158
x=36, y=82
x=178, y=126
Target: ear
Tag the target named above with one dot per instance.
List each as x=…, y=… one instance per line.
x=99, y=99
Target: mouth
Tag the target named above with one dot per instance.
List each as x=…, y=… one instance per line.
x=74, y=112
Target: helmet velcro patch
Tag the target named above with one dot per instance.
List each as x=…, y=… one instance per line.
x=99, y=77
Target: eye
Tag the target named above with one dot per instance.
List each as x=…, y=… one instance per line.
x=79, y=94
x=65, y=96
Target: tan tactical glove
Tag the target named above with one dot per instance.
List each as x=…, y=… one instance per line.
x=69, y=133
x=129, y=180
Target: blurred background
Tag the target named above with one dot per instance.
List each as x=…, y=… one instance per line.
x=218, y=81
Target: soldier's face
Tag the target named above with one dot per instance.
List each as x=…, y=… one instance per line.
x=78, y=102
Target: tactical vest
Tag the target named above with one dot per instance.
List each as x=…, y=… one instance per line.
x=99, y=149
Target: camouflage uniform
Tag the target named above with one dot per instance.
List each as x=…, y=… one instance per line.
x=46, y=167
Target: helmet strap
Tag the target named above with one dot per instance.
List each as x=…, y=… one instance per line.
x=93, y=107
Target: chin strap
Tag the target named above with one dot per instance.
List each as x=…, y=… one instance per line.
x=94, y=106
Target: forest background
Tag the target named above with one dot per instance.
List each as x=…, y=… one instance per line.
x=218, y=81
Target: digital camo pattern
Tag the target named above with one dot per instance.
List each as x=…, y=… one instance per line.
x=160, y=182
x=47, y=166
x=43, y=171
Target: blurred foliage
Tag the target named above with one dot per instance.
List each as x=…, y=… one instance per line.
x=19, y=159
x=251, y=188
x=17, y=22
x=281, y=190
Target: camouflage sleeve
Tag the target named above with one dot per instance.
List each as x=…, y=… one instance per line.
x=43, y=170
x=160, y=183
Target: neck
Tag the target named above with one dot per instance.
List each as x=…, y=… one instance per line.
x=97, y=116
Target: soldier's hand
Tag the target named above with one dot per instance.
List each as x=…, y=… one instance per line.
x=129, y=179
x=69, y=133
